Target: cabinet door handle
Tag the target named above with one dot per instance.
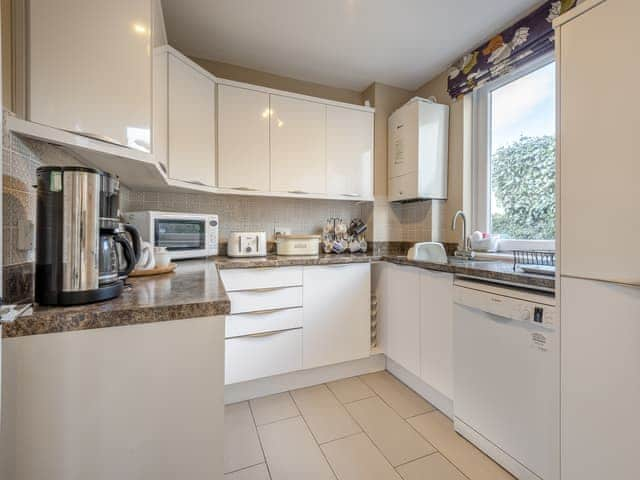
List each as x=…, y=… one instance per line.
x=299, y=192
x=100, y=138
x=351, y=194
x=196, y=182
x=245, y=189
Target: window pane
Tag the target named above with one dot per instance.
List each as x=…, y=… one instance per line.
x=523, y=157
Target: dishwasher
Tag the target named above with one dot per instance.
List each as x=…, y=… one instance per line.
x=507, y=376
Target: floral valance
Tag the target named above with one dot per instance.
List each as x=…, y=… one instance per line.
x=528, y=39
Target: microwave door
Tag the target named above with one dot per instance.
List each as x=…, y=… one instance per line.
x=180, y=235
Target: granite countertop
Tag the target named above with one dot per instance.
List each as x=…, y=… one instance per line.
x=289, y=261
x=491, y=271
x=195, y=290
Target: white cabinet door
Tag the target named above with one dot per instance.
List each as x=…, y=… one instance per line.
x=89, y=66
x=298, y=160
x=601, y=374
x=191, y=124
x=349, y=152
x=337, y=314
x=599, y=162
x=243, y=138
x=436, y=330
x=403, y=317
x=105, y=395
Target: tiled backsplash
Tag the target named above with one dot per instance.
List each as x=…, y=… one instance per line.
x=249, y=214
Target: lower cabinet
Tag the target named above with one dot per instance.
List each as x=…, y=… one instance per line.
x=337, y=314
x=436, y=330
x=262, y=355
x=285, y=319
x=403, y=317
x=417, y=321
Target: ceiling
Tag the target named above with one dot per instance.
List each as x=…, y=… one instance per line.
x=340, y=43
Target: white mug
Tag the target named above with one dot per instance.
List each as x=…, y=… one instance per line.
x=163, y=258
x=146, y=261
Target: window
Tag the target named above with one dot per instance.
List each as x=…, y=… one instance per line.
x=514, y=161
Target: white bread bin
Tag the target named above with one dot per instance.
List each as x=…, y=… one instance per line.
x=298, y=244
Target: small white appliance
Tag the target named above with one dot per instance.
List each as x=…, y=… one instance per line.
x=185, y=235
x=418, y=151
x=427, y=252
x=298, y=244
x=247, y=244
x=507, y=376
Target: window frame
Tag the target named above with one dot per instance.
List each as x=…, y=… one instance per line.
x=481, y=155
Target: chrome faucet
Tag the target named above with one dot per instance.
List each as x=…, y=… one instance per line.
x=463, y=250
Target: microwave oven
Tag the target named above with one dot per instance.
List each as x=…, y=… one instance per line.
x=185, y=235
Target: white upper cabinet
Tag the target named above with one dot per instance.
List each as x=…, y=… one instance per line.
x=349, y=152
x=243, y=138
x=337, y=326
x=191, y=123
x=298, y=135
x=89, y=65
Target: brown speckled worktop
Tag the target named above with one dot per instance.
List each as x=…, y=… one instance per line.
x=195, y=290
x=289, y=261
x=491, y=271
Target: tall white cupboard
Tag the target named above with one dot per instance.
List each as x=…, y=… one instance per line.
x=599, y=169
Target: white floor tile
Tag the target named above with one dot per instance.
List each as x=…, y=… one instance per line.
x=241, y=443
x=356, y=458
x=350, y=389
x=273, y=408
x=395, y=438
x=292, y=452
x=259, y=472
x=433, y=467
x=438, y=429
x=401, y=398
x=326, y=417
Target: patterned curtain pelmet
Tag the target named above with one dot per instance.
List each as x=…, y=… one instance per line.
x=528, y=39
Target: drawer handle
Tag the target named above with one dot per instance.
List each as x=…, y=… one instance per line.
x=245, y=189
x=267, y=289
x=269, y=334
x=269, y=310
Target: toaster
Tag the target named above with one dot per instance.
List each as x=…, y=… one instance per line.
x=247, y=244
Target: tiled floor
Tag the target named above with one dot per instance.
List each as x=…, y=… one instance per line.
x=370, y=427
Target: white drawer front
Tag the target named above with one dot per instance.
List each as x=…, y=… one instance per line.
x=260, y=322
x=252, y=357
x=253, y=278
x=255, y=300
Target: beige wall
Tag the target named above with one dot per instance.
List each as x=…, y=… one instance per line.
x=7, y=71
x=269, y=80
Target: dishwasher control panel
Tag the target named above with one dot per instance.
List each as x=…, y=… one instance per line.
x=500, y=305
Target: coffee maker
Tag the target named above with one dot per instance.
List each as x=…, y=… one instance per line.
x=78, y=232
